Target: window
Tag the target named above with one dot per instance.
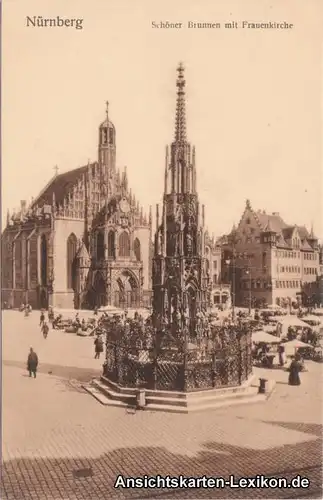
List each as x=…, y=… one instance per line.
x=264, y=257
x=247, y=220
x=137, y=249
x=111, y=244
x=215, y=265
x=215, y=279
x=124, y=245
x=111, y=136
x=100, y=245
x=104, y=135
x=71, y=261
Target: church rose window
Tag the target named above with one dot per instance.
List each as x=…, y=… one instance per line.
x=71, y=261
x=124, y=245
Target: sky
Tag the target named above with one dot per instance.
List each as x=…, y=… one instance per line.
x=254, y=100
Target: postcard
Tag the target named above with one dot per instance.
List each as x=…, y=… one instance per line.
x=162, y=249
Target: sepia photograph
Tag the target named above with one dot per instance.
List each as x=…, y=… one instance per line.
x=161, y=249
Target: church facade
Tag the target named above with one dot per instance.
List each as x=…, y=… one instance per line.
x=83, y=242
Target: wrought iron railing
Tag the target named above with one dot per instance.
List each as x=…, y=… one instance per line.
x=139, y=356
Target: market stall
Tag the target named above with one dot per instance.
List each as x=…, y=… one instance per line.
x=290, y=323
x=292, y=346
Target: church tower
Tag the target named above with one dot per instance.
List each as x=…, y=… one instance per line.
x=180, y=279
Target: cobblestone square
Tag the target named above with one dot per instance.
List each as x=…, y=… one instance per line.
x=52, y=429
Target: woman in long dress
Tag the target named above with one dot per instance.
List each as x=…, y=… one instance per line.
x=294, y=369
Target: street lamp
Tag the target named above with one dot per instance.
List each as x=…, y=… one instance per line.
x=228, y=262
x=248, y=272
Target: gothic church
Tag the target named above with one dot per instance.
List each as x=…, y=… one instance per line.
x=83, y=242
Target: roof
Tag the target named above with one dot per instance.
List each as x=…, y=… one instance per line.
x=104, y=124
x=303, y=232
x=288, y=232
x=59, y=186
x=83, y=253
x=274, y=221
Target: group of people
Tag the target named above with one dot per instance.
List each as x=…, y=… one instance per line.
x=26, y=309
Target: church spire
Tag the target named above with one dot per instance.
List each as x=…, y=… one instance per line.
x=180, y=120
x=107, y=110
x=312, y=235
x=182, y=156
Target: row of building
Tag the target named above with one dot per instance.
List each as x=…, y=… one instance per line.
x=85, y=240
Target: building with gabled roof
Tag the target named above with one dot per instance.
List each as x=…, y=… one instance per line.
x=83, y=242
x=273, y=261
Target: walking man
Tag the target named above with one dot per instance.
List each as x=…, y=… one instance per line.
x=32, y=363
x=45, y=329
x=42, y=318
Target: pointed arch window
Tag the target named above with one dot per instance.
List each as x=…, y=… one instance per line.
x=104, y=135
x=43, y=260
x=124, y=245
x=71, y=261
x=100, y=245
x=137, y=249
x=111, y=244
x=111, y=136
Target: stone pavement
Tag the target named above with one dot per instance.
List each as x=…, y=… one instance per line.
x=53, y=432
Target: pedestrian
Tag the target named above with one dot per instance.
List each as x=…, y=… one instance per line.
x=294, y=369
x=98, y=346
x=281, y=355
x=42, y=318
x=50, y=315
x=32, y=363
x=45, y=329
